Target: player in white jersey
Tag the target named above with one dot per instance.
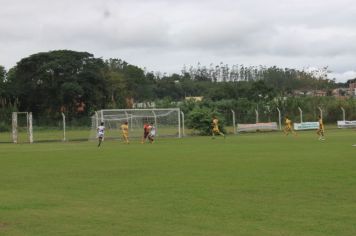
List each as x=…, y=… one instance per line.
x=152, y=133
x=100, y=130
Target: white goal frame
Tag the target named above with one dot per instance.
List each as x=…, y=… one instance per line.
x=135, y=117
x=29, y=126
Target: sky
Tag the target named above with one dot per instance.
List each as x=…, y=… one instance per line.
x=166, y=35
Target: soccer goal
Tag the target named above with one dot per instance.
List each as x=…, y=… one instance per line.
x=167, y=122
x=22, y=127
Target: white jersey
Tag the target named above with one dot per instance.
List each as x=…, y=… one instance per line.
x=152, y=130
x=101, y=130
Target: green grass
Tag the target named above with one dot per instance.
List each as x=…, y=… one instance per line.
x=251, y=184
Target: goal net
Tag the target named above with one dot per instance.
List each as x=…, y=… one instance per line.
x=167, y=122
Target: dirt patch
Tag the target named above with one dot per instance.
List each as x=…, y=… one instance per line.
x=3, y=225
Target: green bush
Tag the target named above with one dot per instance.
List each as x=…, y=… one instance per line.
x=200, y=119
x=4, y=127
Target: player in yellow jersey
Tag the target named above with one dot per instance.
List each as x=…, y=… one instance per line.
x=125, y=132
x=288, y=127
x=215, y=125
x=320, y=130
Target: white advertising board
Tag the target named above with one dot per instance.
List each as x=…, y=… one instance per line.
x=306, y=125
x=258, y=126
x=346, y=124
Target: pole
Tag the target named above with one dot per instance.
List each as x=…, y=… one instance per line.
x=183, y=128
x=343, y=114
x=64, y=127
x=179, y=131
x=321, y=112
x=102, y=116
x=14, y=127
x=155, y=117
x=96, y=120
x=301, y=114
x=30, y=129
x=279, y=119
x=257, y=120
x=233, y=120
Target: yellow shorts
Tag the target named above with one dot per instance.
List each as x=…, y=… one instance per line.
x=216, y=130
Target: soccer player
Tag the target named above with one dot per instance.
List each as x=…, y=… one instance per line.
x=125, y=132
x=152, y=133
x=320, y=131
x=145, y=132
x=215, y=125
x=100, y=130
x=288, y=127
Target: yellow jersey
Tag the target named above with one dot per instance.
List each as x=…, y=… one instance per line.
x=125, y=129
x=288, y=123
x=215, y=125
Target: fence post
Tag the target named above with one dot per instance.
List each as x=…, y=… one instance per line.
x=343, y=114
x=321, y=112
x=64, y=127
x=279, y=119
x=301, y=114
x=233, y=120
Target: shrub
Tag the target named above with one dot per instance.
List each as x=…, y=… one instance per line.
x=200, y=119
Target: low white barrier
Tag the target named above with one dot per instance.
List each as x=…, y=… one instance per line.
x=306, y=125
x=346, y=124
x=257, y=127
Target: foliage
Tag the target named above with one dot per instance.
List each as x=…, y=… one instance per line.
x=200, y=119
x=77, y=83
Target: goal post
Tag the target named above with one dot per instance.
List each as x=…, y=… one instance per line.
x=166, y=120
x=27, y=124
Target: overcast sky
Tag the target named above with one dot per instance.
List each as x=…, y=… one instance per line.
x=165, y=35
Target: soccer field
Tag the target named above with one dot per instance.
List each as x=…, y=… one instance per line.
x=250, y=184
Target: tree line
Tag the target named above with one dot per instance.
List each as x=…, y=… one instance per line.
x=77, y=84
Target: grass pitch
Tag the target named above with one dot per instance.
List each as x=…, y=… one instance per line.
x=252, y=184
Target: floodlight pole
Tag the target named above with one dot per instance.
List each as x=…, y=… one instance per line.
x=343, y=114
x=279, y=119
x=64, y=127
x=233, y=120
x=183, y=128
x=301, y=114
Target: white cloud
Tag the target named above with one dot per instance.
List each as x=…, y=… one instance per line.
x=165, y=35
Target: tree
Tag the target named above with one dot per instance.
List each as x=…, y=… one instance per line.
x=50, y=82
x=2, y=85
